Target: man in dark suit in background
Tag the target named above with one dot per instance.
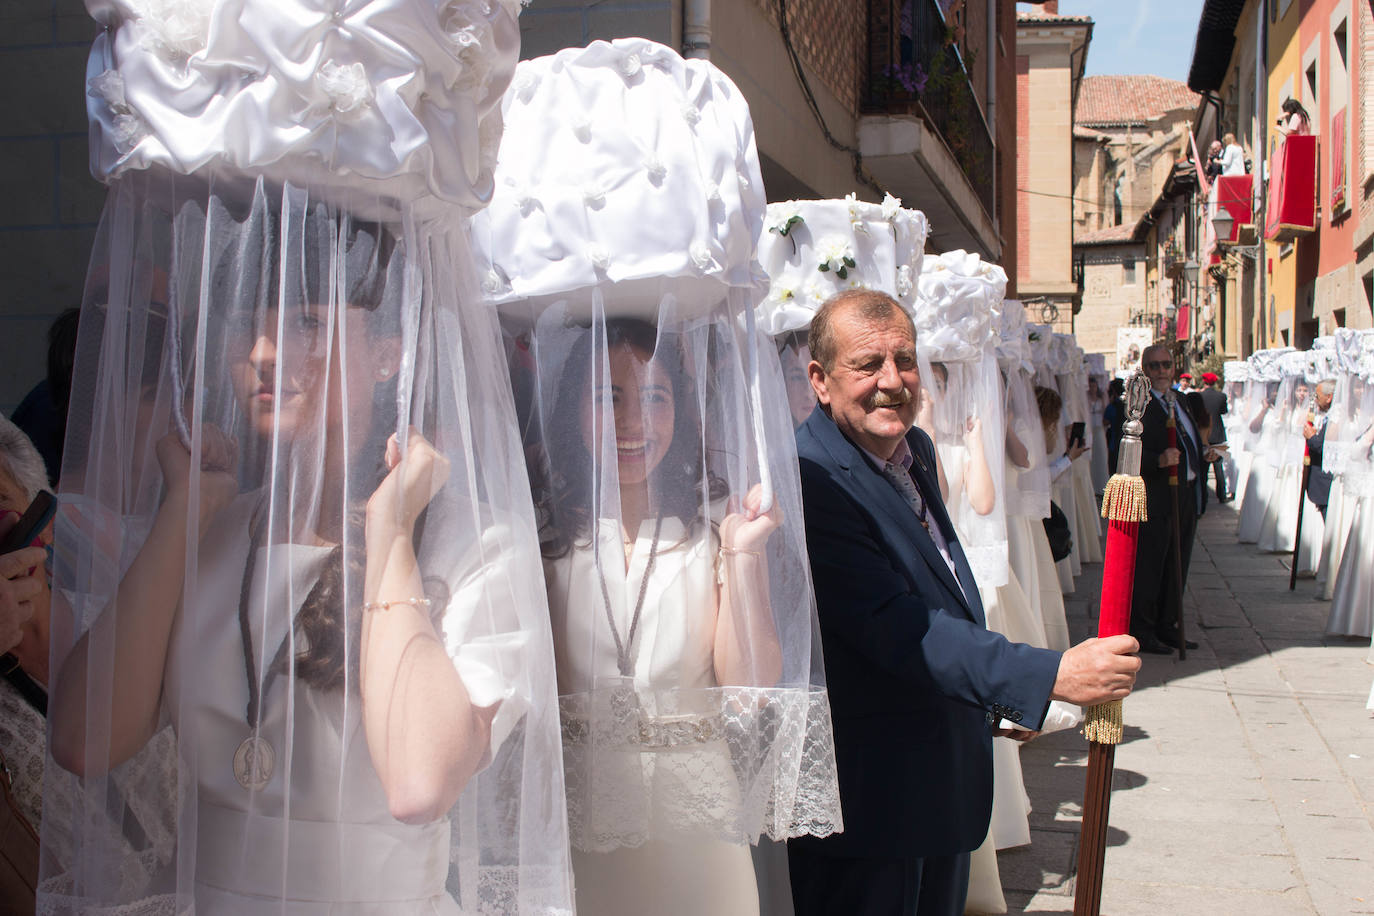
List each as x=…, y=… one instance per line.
x=1319, y=481
x=1157, y=601
x=917, y=683
x=1214, y=400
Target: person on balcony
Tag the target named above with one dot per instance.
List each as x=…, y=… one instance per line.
x=1294, y=119
x=1232, y=156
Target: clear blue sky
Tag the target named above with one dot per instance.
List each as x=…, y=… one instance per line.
x=1144, y=36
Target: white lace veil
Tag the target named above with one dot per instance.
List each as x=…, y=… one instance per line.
x=690, y=672
x=295, y=658
x=956, y=347
x=1031, y=495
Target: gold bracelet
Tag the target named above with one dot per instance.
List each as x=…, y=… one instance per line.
x=735, y=551
x=416, y=603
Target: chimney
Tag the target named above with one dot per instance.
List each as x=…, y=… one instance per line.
x=1050, y=7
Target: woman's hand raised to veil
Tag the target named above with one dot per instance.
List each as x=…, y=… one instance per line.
x=218, y=457
x=747, y=528
x=412, y=482
x=973, y=433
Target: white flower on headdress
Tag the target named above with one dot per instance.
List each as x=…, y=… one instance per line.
x=524, y=83
x=468, y=27
x=346, y=85
x=856, y=220
x=743, y=182
x=701, y=254
x=690, y=113
x=175, y=29
x=593, y=195
x=493, y=282
x=629, y=65
x=903, y=281
x=712, y=192
x=524, y=200
x=109, y=87
x=581, y=126
x=786, y=219
x=836, y=256
x=128, y=131
x=890, y=206
x=782, y=294
x=599, y=256
x=656, y=169
x=814, y=293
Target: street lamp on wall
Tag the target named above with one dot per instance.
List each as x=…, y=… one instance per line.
x=1190, y=268
x=1222, y=224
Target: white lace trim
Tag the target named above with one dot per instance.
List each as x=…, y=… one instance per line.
x=731, y=763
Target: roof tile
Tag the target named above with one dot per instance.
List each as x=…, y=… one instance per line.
x=1110, y=100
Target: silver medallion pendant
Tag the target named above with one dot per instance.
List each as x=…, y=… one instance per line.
x=254, y=762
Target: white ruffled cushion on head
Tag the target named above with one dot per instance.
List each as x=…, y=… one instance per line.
x=807, y=246
x=1293, y=364
x=1235, y=370
x=389, y=99
x=626, y=169
x=1348, y=347
x=1040, y=337
x=1013, y=347
x=956, y=294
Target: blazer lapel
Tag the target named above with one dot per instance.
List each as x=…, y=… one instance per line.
x=875, y=491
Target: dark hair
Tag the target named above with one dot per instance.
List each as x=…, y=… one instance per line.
x=871, y=305
x=1291, y=106
x=329, y=622
x=678, y=478
x=1115, y=388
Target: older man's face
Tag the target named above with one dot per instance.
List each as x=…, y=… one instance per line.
x=1159, y=367
x=871, y=390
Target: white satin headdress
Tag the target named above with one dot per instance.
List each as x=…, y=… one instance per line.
x=956, y=294
x=813, y=249
x=393, y=101
x=627, y=169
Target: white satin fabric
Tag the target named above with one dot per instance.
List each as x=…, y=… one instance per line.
x=634, y=165
x=377, y=98
x=804, y=246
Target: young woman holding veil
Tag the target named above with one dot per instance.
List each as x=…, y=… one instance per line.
x=695, y=719
x=297, y=530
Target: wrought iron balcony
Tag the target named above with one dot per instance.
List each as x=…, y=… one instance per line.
x=915, y=68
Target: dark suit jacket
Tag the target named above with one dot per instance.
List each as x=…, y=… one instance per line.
x=914, y=675
x=1318, y=481
x=1154, y=439
x=1215, y=402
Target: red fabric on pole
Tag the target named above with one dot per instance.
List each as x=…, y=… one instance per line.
x=1118, y=578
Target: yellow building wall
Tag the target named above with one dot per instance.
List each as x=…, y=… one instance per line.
x=1285, y=78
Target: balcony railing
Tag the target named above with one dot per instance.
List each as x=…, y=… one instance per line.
x=915, y=68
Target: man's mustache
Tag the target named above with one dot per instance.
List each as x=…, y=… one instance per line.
x=883, y=399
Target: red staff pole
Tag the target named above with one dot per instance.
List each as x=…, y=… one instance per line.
x=1123, y=505
x=1172, y=430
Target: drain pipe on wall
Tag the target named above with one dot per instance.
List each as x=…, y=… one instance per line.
x=696, y=29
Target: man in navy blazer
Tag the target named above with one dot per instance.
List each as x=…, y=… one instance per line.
x=917, y=683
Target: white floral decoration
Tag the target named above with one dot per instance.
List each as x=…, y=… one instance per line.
x=468, y=27
x=856, y=219
x=629, y=65
x=593, y=194
x=837, y=257
x=691, y=113
x=743, y=181
x=128, y=131
x=524, y=200
x=904, y=281
x=346, y=85
x=701, y=254
x=524, y=83
x=814, y=293
x=109, y=87
x=712, y=192
x=599, y=255
x=890, y=206
x=786, y=219
x=174, y=29
x=656, y=169
x=492, y=283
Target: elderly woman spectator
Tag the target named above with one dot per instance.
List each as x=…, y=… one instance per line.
x=24, y=600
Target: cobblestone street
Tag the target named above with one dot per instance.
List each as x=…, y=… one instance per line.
x=1246, y=781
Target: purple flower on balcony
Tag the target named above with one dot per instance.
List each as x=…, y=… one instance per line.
x=911, y=77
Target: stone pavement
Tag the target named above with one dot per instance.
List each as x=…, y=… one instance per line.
x=1246, y=781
